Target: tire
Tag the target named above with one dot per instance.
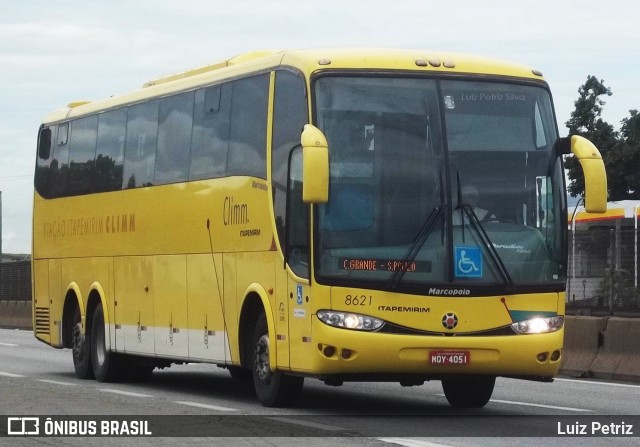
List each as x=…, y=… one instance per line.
x=273, y=388
x=107, y=366
x=80, y=349
x=468, y=392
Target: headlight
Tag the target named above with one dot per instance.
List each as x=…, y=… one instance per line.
x=349, y=320
x=538, y=325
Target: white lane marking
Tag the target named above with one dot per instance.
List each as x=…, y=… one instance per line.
x=307, y=424
x=56, y=382
x=208, y=407
x=622, y=385
x=529, y=404
x=124, y=393
x=408, y=442
x=5, y=374
x=8, y=344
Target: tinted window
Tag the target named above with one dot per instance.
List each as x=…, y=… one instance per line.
x=289, y=117
x=174, y=138
x=82, y=151
x=63, y=134
x=112, y=127
x=43, y=162
x=247, y=145
x=210, y=141
x=140, y=147
x=60, y=162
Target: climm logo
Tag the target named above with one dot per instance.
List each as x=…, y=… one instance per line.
x=234, y=213
x=124, y=223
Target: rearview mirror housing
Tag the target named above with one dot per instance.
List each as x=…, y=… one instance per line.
x=595, y=175
x=315, y=165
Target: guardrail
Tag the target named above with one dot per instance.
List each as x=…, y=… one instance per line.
x=605, y=348
x=15, y=281
x=16, y=314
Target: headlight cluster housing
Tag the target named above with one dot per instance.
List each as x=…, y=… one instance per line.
x=350, y=320
x=538, y=325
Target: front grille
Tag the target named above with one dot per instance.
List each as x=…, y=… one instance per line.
x=390, y=328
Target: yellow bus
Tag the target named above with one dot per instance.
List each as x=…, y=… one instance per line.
x=338, y=214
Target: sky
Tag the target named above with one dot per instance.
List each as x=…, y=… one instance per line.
x=56, y=52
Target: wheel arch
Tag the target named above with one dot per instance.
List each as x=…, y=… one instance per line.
x=72, y=300
x=97, y=298
x=255, y=302
x=75, y=299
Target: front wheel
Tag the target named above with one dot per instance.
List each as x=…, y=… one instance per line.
x=468, y=392
x=273, y=388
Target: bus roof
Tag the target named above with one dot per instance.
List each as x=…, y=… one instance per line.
x=307, y=61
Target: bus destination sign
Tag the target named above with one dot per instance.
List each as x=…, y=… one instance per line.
x=385, y=265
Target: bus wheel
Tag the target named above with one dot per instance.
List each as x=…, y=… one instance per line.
x=106, y=365
x=80, y=348
x=468, y=392
x=273, y=388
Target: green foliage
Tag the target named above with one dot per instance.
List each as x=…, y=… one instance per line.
x=620, y=150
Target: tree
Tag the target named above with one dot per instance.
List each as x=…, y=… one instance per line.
x=620, y=151
x=625, y=161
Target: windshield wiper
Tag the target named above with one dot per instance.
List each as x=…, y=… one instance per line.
x=486, y=241
x=421, y=237
x=467, y=210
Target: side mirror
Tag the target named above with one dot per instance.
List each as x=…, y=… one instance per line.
x=595, y=176
x=315, y=165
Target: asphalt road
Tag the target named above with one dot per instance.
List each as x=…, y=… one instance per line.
x=204, y=403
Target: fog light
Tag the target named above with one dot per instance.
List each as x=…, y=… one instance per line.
x=346, y=353
x=555, y=356
x=329, y=351
x=542, y=356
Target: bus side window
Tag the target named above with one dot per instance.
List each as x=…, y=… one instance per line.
x=140, y=146
x=297, y=227
x=174, y=139
x=210, y=138
x=82, y=151
x=112, y=127
x=289, y=117
x=248, y=132
x=60, y=162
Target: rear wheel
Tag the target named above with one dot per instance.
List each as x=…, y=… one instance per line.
x=107, y=366
x=273, y=388
x=80, y=348
x=468, y=392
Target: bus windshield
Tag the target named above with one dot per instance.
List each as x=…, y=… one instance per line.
x=440, y=183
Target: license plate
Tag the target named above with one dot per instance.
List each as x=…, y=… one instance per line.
x=449, y=358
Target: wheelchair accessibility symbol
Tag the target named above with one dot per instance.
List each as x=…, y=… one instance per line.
x=468, y=262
